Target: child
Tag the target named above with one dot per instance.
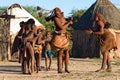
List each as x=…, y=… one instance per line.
x=48, y=53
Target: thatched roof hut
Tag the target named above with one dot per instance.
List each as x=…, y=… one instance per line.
x=85, y=45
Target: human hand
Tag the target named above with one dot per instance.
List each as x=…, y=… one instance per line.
x=43, y=42
x=70, y=22
x=71, y=18
x=89, y=31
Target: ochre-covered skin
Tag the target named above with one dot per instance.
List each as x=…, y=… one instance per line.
x=107, y=41
x=60, y=39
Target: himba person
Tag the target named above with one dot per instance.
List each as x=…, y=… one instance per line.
x=29, y=40
x=38, y=48
x=48, y=51
x=20, y=37
x=107, y=41
x=33, y=27
x=60, y=40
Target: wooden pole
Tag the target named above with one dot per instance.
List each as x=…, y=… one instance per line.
x=7, y=27
x=9, y=42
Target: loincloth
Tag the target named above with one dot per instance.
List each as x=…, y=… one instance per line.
x=107, y=42
x=38, y=49
x=60, y=41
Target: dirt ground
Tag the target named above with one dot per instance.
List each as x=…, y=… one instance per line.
x=81, y=69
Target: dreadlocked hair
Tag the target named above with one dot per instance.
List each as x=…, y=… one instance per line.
x=100, y=16
x=50, y=17
x=107, y=25
x=53, y=14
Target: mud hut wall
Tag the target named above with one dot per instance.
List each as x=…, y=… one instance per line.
x=85, y=45
x=4, y=39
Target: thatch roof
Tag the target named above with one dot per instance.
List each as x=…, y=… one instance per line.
x=106, y=8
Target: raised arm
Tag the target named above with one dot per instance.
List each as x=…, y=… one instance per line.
x=101, y=24
x=62, y=26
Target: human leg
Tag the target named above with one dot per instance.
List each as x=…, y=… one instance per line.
x=104, y=61
x=38, y=59
x=50, y=58
x=50, y=61
x=66, y=61
x=59, y=61
x=109, y=68
x=46, y=60
x=30, y=58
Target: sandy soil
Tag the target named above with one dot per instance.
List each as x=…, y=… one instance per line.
x=81, y=69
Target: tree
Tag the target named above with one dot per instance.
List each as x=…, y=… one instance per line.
x=76, y=14
x=2, y=9
x=34, y=12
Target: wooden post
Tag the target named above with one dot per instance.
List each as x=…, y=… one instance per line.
x=6, y=31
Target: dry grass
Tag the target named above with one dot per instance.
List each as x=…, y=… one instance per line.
x=81, y=69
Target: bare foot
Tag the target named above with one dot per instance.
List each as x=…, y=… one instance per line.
x=67, y=71
x=109, y=70
x=100, y=70
x=60, y=72
x=40, y=69
x=48, y=69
